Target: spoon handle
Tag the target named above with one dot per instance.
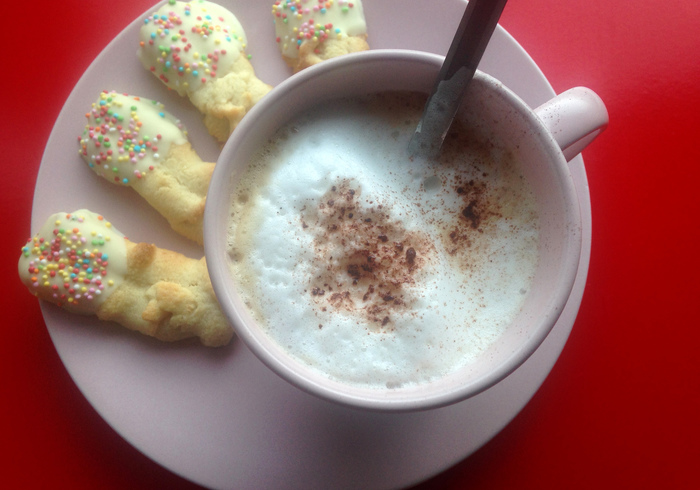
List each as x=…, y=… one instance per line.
x=473, y=34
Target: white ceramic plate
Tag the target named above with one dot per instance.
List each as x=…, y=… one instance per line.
x=218, y=416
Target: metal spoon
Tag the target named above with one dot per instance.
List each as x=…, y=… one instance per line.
x=468, y=46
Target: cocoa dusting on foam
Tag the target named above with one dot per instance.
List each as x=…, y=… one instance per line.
x=476, y=210
x=479, y=193
x=363, y=258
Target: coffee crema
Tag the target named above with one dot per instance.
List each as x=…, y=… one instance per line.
x=374, y=268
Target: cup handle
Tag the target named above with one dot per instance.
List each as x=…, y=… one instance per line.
x=575, y=118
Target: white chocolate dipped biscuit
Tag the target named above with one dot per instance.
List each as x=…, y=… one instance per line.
x=311, y=31
x=133, y=141
x=197, y=48
x=79, y=262
x=75, y=260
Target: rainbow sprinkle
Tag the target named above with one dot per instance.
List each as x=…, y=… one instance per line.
x=68, y=265
x=120, y=142
x=185, y=43
x=307, y=21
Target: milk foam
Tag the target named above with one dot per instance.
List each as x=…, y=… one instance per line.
x=373, y=268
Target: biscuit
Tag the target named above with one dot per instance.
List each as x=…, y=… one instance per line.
x=134, y=142
x=81, y=263
x=197, y=48
x=311, y=32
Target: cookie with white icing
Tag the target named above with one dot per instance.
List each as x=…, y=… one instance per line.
x=197, y=48
x=81, y=263
x=133, y=141
x=311, y=31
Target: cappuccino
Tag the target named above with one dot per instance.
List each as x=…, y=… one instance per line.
x=374, y=268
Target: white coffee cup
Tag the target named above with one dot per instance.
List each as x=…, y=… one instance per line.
x=548, y=136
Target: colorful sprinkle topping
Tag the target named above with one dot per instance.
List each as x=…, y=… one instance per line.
x=187, y=44
x=74, y=261
x=300, y=21
x=126, y=136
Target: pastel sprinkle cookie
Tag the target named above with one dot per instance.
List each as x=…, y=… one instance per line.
x=197, y=49
x=75, y=261
x=188, y=44
x=133, y=141
x=126, y=136
x=324, y=28
x=81, y=263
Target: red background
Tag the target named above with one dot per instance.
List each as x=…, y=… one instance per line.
x=620, y=408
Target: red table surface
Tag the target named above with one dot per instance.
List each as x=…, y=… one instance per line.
x=620, y=408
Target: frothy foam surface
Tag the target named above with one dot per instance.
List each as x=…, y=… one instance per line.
x=374, y=268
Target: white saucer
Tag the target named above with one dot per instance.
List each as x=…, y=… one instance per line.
x=219, y=417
